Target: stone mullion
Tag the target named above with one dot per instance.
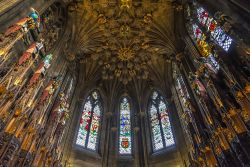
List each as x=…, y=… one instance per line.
x=73, y=108
x=109, y=158
x=136, y=148
x=76, y=114
x=105, y=154
x=181, y=145
x=181, y=112
x=113, y=151
x=144, y=137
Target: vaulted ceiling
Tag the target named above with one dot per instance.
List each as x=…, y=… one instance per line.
x=125, y=43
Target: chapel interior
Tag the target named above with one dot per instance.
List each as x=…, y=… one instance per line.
x=124, y=83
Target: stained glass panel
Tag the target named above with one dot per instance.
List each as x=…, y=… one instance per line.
x=202, y=16
x=182, y=91
x=125, y=127
x=89, y=123
x=221, y=38
x=166, y=127
x=156, y=130
x=155, y=94
x=200, y=39
x=218, y=35
x=162, y=135
x=94, y=128
x=70, y=88
x=84, y=124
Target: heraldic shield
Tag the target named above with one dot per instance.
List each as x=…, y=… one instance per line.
x=125, y=143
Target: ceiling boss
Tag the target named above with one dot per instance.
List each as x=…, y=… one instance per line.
x=123, y=51
x=126, y=54
x=126, y=3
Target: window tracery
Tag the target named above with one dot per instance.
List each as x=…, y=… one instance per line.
x=90, y=122
x=162, y=135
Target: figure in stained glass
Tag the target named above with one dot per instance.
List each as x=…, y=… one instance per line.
x=125, y=127
x=217, y=34
x=89, y=122
x=161, y=131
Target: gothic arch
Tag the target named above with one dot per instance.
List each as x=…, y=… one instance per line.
x=89, y=94
x=148, y=125
x=131, y=122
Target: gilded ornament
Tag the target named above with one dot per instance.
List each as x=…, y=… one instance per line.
x=121, y=45
x=126, y=3
x=232, y=112
x=148, y=19
x=245, y=116
x=248, y=51
x=125, y=54
x=101, y=19
x=247, y=89
x=200, y=159
x=239, y=95
x=230, y=136
x=125, y=31
x=2, y=89
x=2, y=52
x=218, y=150
x=43, y=149
x=31, y=130
x=18, y=112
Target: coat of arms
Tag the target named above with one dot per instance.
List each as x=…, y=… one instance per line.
x=125, y=143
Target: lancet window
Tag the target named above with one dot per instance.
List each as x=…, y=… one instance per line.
x=125, y=136
x=161, y=131
x=89, y=128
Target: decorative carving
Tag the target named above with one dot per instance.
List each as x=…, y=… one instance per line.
x=117, y=38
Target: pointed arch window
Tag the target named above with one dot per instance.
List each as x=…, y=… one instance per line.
x=125, y=136
x=161, y=131
x=89, y=128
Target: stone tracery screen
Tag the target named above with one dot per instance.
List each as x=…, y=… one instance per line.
x=161, y=131
x=125, y=127
x=90, y=122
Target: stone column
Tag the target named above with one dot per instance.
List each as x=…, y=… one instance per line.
x=136, y=148
x=144, y=149
x=113, y=148
x=106, y=147
x=178, y=131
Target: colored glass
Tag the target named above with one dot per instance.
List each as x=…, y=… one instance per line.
x=89, y=123
x=161, y=131
x=200, y=40
x=218, y=35
x=125, y=127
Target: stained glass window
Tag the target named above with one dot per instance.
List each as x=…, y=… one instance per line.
x=161, y=131
x=90, y=121
x=218, y=35
x=205, y=49
x=125, y=127
x=182, y=91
